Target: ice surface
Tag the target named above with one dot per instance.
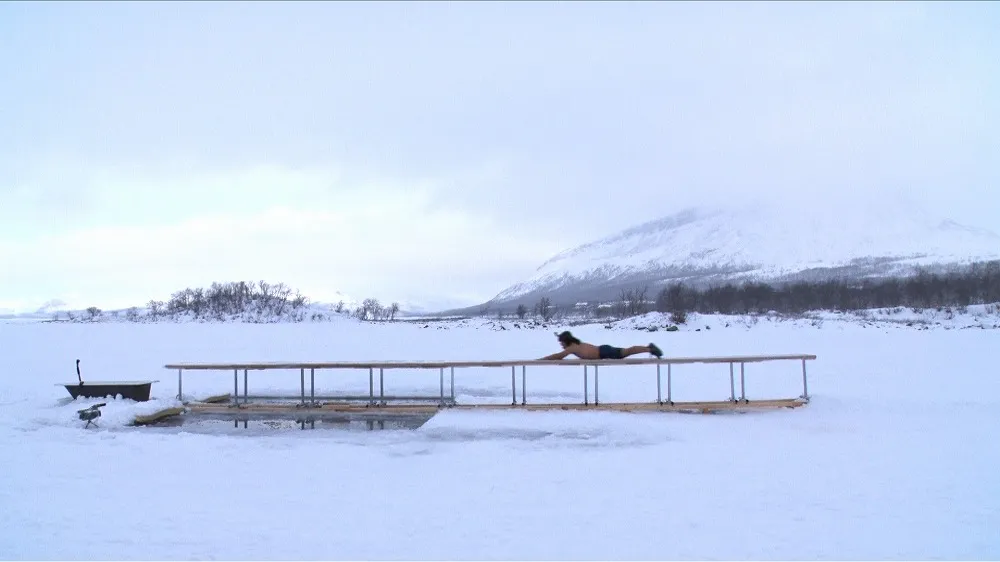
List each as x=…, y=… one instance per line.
x=895, y=458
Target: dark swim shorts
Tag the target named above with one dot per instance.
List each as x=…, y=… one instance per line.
x=610, y=352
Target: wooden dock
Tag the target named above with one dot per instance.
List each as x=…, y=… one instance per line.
x=430, y=409
x=379, y=404
x=389, y=411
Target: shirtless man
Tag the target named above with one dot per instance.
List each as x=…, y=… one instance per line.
x=573, y=346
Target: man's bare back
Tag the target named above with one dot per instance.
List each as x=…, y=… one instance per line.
x=573, y=346
x=582, y=350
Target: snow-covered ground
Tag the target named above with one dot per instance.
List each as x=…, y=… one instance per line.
x=894, y=458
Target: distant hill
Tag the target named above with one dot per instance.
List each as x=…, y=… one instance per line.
x=703, y=246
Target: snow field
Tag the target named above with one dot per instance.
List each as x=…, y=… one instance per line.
x=894, y=458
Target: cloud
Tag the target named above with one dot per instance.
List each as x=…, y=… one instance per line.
x=385, y=241
x=471, y=132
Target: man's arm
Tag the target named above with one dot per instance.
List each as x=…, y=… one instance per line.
x=559, y=355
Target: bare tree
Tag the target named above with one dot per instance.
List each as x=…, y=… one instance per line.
x=544, y=308
x=522, y=311
x=154, y=308
x=637, y=304
x=620, y=307
x=370, y=309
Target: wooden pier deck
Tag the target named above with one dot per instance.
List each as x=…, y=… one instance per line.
x=379, y=403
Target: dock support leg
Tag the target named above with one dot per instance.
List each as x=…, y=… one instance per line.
x=659, y=400
x=524, y=381
x=381, y=386
x=732, y=385
x=743, y=385
x=180, y=390
x=595, y=385
x=245, y=393
x=586, y=399
x=513, y=386
x=805, y=385
x=670, y=397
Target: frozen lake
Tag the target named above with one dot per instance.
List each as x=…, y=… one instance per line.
x=894, y=458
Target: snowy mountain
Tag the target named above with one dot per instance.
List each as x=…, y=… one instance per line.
x=702, y=245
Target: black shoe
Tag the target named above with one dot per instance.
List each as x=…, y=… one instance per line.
x=655, y=350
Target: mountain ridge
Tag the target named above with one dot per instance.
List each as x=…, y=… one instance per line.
x=705, y=245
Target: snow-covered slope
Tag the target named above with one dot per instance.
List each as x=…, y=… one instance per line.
x=765, y=242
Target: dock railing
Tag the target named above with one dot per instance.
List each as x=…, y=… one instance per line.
x=444, y=399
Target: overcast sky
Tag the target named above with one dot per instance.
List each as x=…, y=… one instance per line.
x=439, y=152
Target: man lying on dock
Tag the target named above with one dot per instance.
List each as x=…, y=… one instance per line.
x=573, y=346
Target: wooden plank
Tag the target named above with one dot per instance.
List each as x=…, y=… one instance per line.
x=499, y=363
x=650, y=406
x=157, y=416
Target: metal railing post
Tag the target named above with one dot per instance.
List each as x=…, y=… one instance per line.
x=302, y=378
x=524, y=381
x=670, y=398
x=596, y=374
x=586, y=399
x=236, y=387
x=452, y=385
x=805, y=385
x=245, y=393
x=381, y=386
x=442, y=385
x=513, y=386
x=743, y=385
x=658, y=399
x=180, y=389
x=371, y=386
x=732, y=385
x=312, y=386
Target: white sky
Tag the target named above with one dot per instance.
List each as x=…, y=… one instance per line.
x=439, y=152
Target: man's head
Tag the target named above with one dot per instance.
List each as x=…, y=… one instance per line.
x=566, y=339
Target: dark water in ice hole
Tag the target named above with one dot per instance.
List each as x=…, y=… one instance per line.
x=258, y=424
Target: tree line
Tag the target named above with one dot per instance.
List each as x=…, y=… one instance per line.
x=975, y=284
x=225, y=300
x=263, y=302
x=241, y=301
